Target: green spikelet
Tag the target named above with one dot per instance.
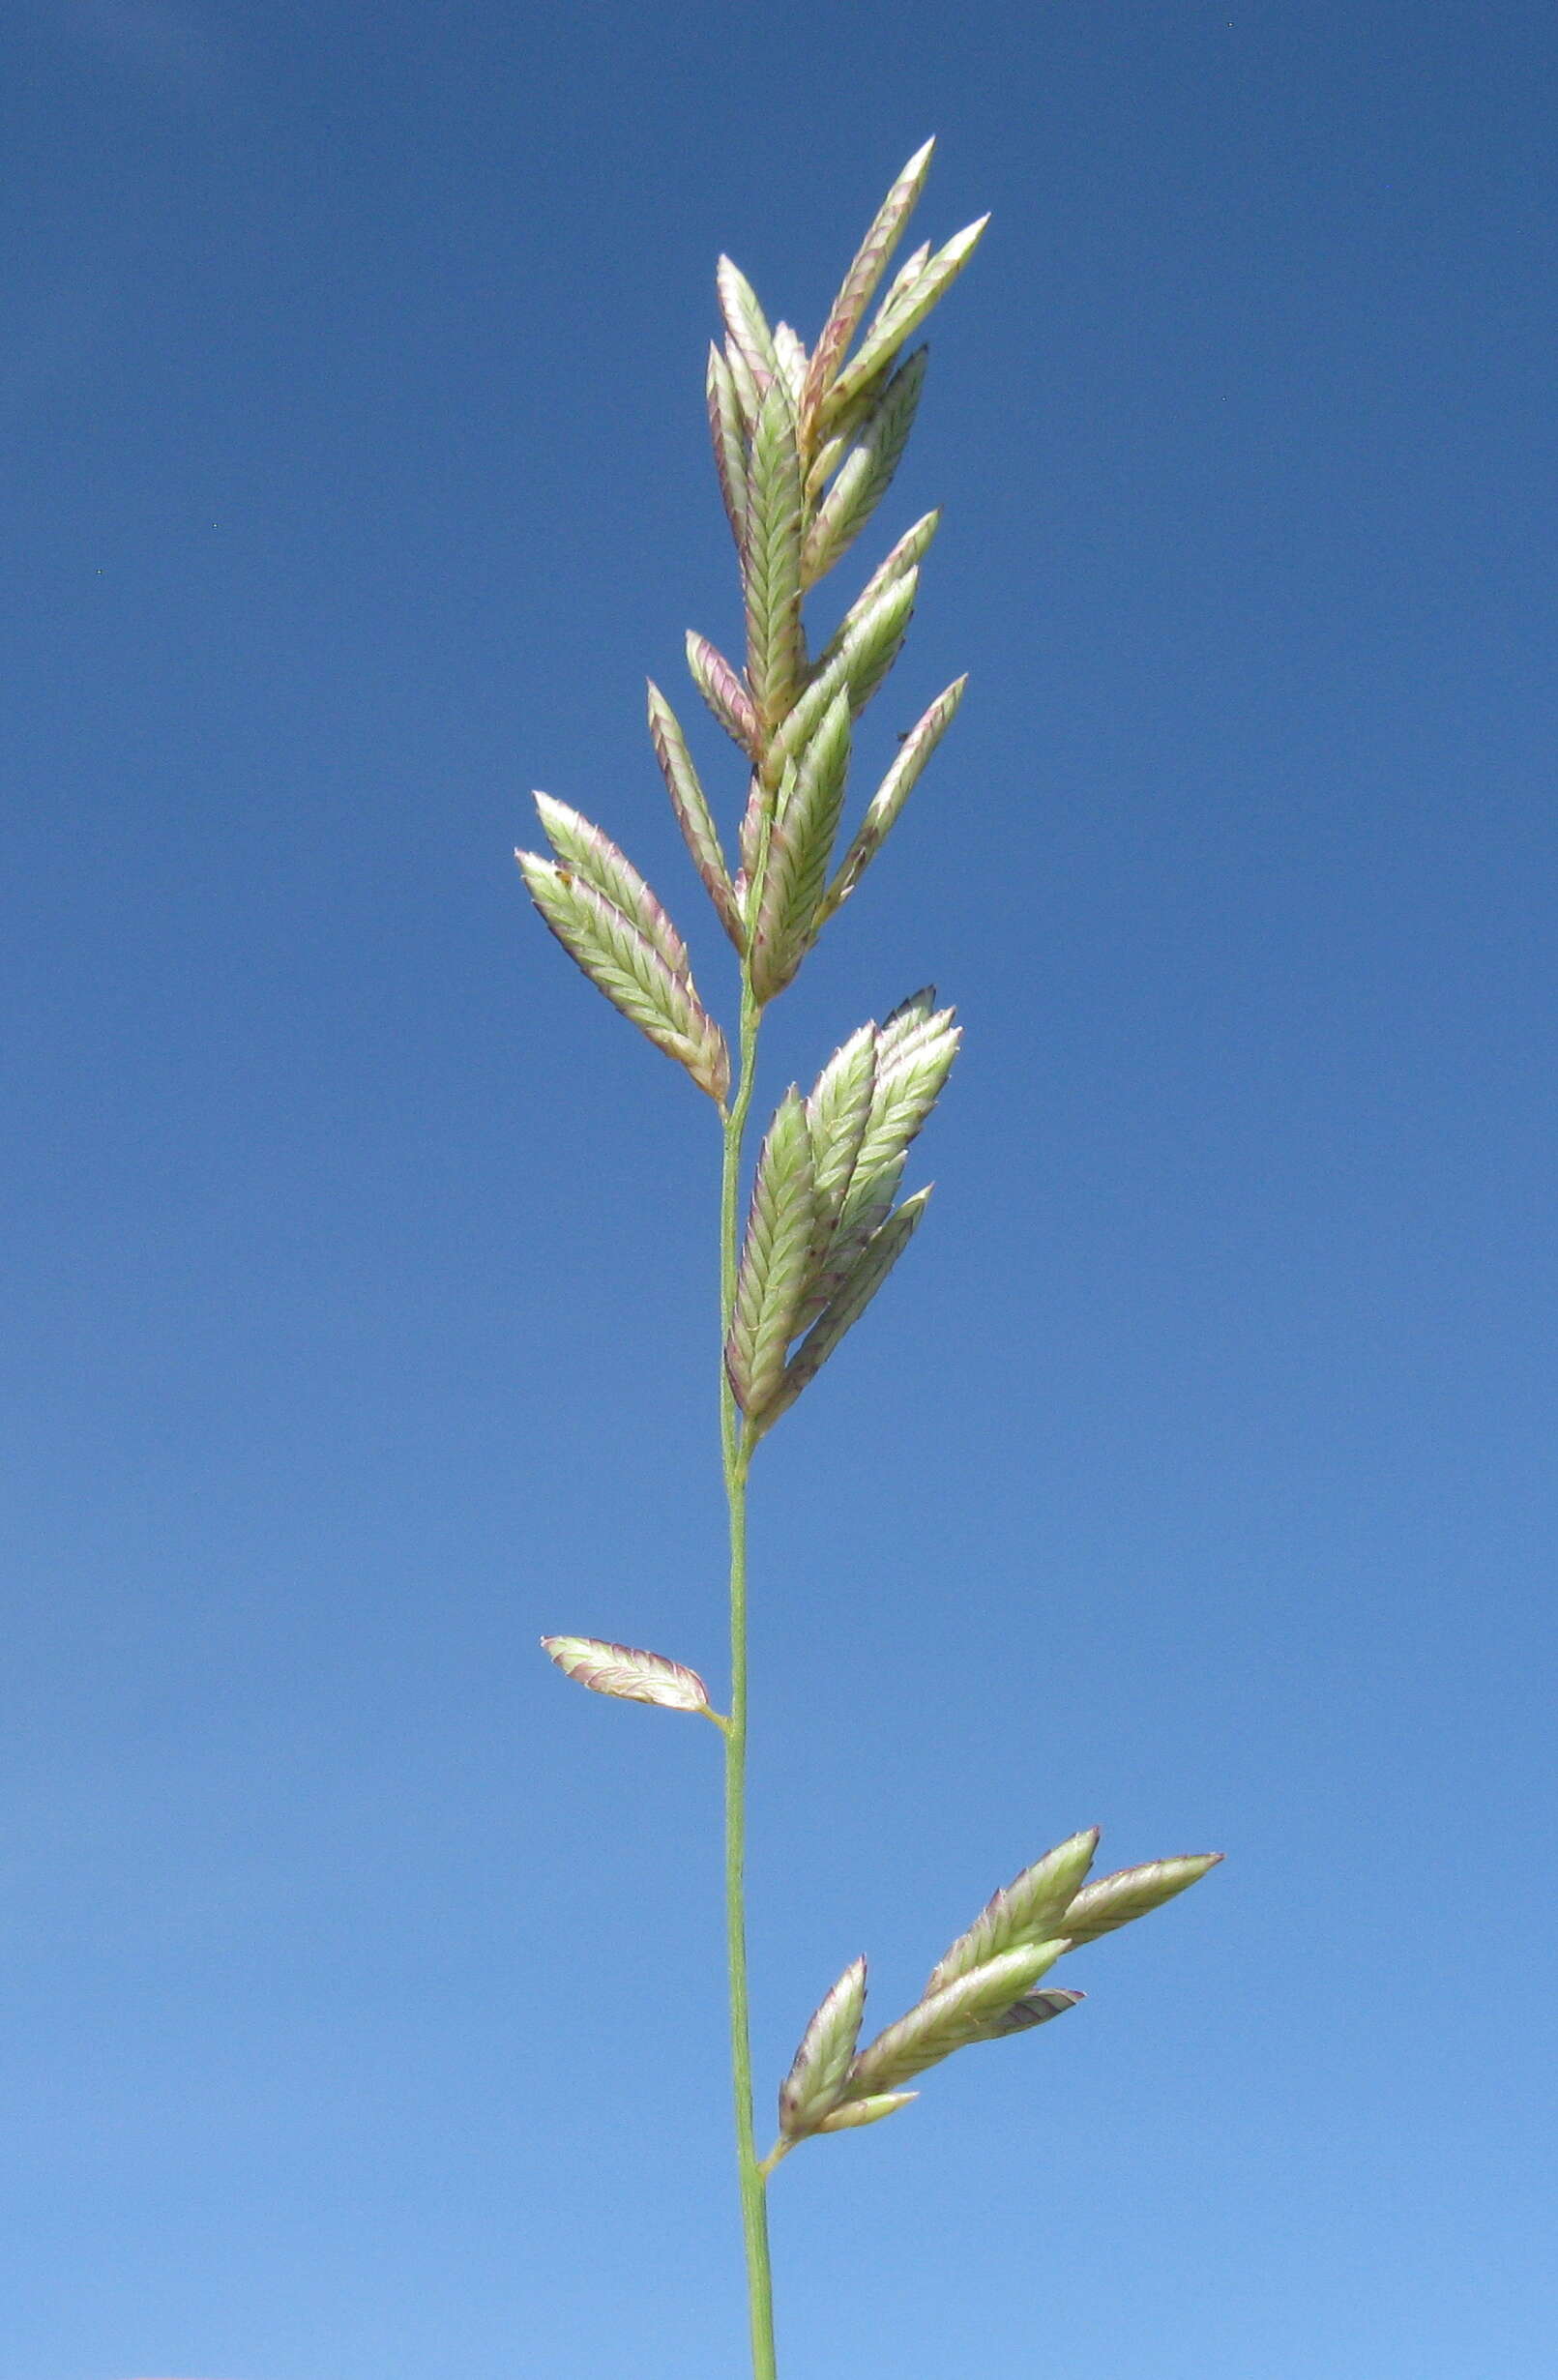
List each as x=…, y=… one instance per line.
x=746, y=323
x=1132, y=1893
x=594, y=857
x=854, y=2112
x=814, y=2084
x=624, y=964
x=775, y=1259
x=948, y=2020
x=773, y=561
x=1032, y=1908
x=893, y=791
x=860, y=282
x=905, y=556
x=838, y=1112
x=909, y=307
x=727, y=433
x=721, y=685
x=805, y=828
x=867, y=475
x=849, y=1301
x=860, y=662
x=692, y=813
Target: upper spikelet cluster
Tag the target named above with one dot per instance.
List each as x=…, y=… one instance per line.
x=806, y=446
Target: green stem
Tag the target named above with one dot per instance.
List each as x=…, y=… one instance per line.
x=737, y=1455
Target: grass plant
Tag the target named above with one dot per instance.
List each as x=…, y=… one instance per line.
x=806, y=445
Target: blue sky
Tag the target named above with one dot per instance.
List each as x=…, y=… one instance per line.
x=362, y=1985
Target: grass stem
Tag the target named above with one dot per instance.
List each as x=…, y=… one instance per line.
x=737, y=1453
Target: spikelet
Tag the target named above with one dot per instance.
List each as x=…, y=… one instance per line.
x=858, y=665
x=816, y=2082
x=891, y=795
x=624, y=964
x=792, y=358
x=948, y=2020
x=728, y=434
x=903, y=279
x=909, y=307
x=748, y=390
x=1132, y=1893
x=692, y=813
x=774, y=1258
x=1032, y=1908
x=721, y=685
x=905, y=556
x=869, y=1269
x=628, y=1672
x=860, y=282
x=746, y=323
x=854, y=2112
x=868, y=473
x=837, y=1113
x=915, y=1050
x=594, y=857
x=772, y=558
x=801, y=843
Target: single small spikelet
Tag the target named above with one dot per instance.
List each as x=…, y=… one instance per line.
x=837, y=1113
x=622, y=962
x=845, y=1308
x=944, y=2022
x=861, y=280
x=749, y=394
x=724, y=690
x=857, y=664
x=867, y=471
x=1035, y=2008
x=855, y=2112
x=775, y=1259
x=876, y=640
x=792, y=360
x=800, y=848
x=728, y=434
x=901, y=314
x=628, y=1672
x=772, y=560
x=903, y=279
x=905, y=556
x=746, y=323
x=692, y=813
x=1032, y=1908
x=895, y=790
x=592, y=854
x=814, y=2084
x=1132, y=1891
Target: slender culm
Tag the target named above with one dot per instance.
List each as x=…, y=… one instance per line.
x=806, y=446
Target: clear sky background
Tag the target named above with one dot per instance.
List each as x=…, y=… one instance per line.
x=363, y=2000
